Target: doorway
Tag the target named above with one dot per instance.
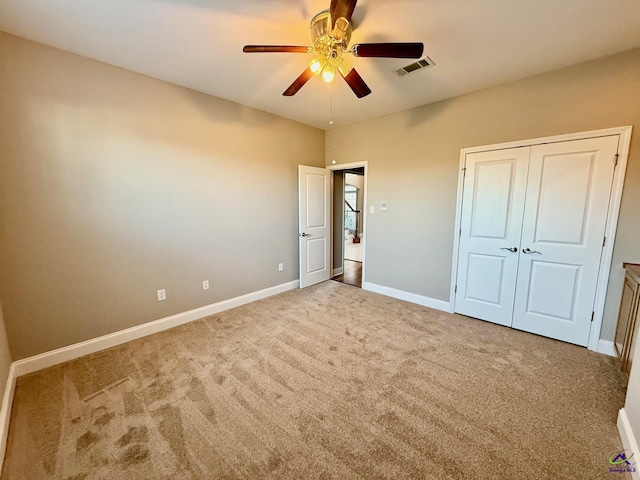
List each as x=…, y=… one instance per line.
x=348, y=224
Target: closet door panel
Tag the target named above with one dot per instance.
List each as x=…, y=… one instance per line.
x=564, y=221
x=493, y=203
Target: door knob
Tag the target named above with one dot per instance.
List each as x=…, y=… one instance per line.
x=305, y=234
x=527, y=251
x=512, y=249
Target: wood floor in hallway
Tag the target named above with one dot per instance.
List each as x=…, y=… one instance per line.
x=352, y=273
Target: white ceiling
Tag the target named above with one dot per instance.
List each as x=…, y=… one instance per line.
x=198, y=44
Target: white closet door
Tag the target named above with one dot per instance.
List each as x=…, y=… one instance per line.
x=492, y=208
x=568, y=190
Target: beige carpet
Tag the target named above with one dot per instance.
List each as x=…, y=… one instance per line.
x=328, y=382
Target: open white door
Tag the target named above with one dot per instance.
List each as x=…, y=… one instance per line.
x=314, y=204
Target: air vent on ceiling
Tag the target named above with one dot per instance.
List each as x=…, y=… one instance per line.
x=426, y=62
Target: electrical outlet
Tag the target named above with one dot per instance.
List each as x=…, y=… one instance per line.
x=205, y=284
x=281, y=267
x=162, y=295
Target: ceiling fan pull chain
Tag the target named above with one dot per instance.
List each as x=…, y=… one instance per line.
x=332, y=110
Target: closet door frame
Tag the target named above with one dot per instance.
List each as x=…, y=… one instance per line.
x=612, y=217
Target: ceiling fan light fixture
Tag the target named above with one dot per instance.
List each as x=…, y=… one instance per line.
x=328, y=74
x=317, y=65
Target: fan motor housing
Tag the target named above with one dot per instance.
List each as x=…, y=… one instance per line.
x=320, y=29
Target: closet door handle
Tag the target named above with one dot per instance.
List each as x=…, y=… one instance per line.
x=512, y=249
x=526, y=251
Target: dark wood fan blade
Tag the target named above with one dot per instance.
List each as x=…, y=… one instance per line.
x=275, y=48
x=357, y=84
x=298, y=83
x=341, y=8
x=389, y=50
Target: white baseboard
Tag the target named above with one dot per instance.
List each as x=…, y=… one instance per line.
x=77, y=350
x=5, y=411
x=337, y=271
x=606, y=347
x=407, y=296
x=628, y=440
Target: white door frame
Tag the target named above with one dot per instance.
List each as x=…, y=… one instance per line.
x=612, y=216
x=348, y=166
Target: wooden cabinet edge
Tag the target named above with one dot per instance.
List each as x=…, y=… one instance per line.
x=630, y=323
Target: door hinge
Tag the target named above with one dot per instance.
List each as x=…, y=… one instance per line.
x=593, y=314
x=455, y=290
x=460, y=232
x=615, y=160
x=604, y=242
x=464, y=172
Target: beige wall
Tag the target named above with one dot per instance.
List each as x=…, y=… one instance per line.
x=414, y=158
x=114, y=185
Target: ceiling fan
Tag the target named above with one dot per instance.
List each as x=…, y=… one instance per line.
x=330, y=35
